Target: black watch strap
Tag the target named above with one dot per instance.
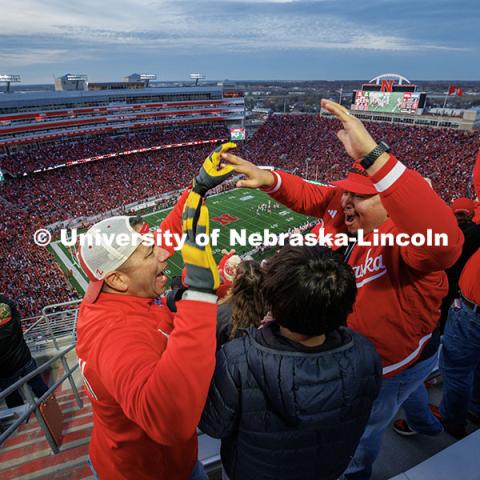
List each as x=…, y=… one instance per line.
x=369, y=159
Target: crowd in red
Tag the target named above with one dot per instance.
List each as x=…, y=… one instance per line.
x=309, y=143
x=92, y=188
x=28, y=272
x=30, y=157
x=304, y=143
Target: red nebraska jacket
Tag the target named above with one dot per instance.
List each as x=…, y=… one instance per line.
x=147, y=372
x=400, y=289
x=469, y=282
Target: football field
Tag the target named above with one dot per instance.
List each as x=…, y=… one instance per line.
x=236, y=209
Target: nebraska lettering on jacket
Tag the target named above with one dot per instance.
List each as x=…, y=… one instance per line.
x=372, y=265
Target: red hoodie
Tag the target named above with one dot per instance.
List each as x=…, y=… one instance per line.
x=400, y=289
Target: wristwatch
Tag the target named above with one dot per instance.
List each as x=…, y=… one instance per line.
x=369, y=159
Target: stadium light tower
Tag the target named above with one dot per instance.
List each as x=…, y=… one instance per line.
x=197, y=77
x=8, y=79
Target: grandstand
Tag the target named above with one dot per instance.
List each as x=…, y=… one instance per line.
x=30, y=122
x=73, y=157
x=302, y=143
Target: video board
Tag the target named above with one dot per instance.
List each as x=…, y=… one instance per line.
x=389, y=102
x=237, y=134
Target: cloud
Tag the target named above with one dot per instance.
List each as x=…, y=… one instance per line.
x=229, y=34
x=229, y=25
x=254, y=33
x=33, y=56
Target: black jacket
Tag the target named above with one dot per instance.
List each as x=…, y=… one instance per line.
x=284, y=411
x=224, y=323
x=14, y=353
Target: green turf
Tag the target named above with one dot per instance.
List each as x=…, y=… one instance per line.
x=239, y=203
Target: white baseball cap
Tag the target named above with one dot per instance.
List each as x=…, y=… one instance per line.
x=107, y=245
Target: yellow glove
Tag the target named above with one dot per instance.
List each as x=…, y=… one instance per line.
x=201, y=269
x=209, y=177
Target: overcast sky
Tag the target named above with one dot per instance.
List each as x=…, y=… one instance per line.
x=240, y=39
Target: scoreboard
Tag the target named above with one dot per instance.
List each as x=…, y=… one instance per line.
x=237, y=134
x=389, y=102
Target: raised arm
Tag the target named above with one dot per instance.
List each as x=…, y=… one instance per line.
x=209, y=176
x=292, y=191
x=413, y=206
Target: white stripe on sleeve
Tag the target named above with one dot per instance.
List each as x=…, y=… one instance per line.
x=388, y=180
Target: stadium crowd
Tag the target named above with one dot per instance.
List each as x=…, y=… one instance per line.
x=285, y=141
x=29, y=157
x=88, y=189
x=308, y=143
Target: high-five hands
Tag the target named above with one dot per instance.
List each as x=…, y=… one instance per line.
x=201, y=269
x=256, y=177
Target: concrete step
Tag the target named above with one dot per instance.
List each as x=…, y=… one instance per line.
x=35, y=467
x=27, y=454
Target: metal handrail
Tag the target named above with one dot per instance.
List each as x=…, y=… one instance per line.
x=53, y=325
x=47, y=315
x=35, y=403
x=35, y=319
x=40, y=318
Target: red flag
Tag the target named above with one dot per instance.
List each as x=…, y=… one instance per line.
x=451, y=90
x=459, y=91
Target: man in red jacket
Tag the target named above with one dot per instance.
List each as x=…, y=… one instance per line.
x=146, y=369
x=400, y=286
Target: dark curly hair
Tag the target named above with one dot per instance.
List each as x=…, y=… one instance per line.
x=246, y=297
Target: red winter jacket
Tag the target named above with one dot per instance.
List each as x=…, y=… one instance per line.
x=400, y=289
